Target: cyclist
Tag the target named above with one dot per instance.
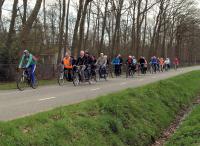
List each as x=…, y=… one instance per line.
x=93, y=66
x=88, y=64
x=129, y=61
x=88, y=59
x=67, y=62
x=116, y=63
x=29, y=61
x=161, y=64
x=158, y=64
x=145, y=66
x=81, y=61
x=176, y=63
x=121, y=63
x=154, y=63
x=101, y=63
x=167, y=64
x=134, y=63
x=142, y=63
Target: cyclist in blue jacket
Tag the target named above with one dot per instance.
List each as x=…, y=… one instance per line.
x=116, y=63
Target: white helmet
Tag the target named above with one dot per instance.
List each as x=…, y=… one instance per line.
x=26, y=51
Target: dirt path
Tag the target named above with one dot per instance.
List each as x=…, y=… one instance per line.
x=176, y=123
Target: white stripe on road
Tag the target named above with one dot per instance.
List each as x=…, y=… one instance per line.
x=95, y=89
x=153, y=77
x=123, y=83
x=43, y=99
x=141, y=80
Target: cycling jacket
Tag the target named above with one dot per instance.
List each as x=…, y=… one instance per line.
x=27, y=61
x=116, y=61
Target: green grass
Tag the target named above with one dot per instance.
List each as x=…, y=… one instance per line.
x=189, y=132
x=131, y=117
x=10, y=86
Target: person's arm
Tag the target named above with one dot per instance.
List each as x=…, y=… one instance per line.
x=97, y=62
x=77, y=62
x=105, y=62
x=21, y=61
x=29, y=60
x=113, y=61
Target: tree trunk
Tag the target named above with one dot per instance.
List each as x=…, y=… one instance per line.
x=11, y=30
x=115, y=40
x=88, y=27
x=66, y=46
x=75, y=36
x=27, y=28
x=104, y=25
x=82, y=25
x=1, y=23
x=25, y=12
x=61, y=33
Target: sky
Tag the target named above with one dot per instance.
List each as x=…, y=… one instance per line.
x=7, y=7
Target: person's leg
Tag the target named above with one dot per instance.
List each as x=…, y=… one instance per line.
x=155, y=68
x=69, y=74
x=142, y=68
x=32, y=73
x=65, y=74
x=119, y=69
x=83, y=73
x=100, y=71
x=115, y=70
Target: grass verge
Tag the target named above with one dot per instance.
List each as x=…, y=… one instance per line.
x=188, y=133
x=133, y=117
x=10, y=86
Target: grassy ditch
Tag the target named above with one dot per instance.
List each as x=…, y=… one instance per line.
x=133, y=117
x=188, y=133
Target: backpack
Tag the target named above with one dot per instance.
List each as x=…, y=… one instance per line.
x=134, y=61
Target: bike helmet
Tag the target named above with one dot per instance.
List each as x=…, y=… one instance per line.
x=26, y=51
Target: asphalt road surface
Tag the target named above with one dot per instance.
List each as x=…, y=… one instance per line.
x=15, y=104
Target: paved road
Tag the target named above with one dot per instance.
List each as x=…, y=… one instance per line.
x=15, y=104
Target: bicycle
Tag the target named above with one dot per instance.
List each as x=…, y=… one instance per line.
x=175, y=66
x=103, y=73
x=24, y=80
x=63, y=77
x=130, y=71
x=78, y=75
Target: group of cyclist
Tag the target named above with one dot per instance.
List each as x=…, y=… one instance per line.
x=88, y=63
x=155, y=64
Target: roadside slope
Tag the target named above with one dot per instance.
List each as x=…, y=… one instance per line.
x=188, y=133
x=131, y=117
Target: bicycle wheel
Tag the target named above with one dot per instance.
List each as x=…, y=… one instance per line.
x=127, y=73
x=106, y=76
x=21, y=83
x=61, y=79
x=34, y=85
x=76, y=80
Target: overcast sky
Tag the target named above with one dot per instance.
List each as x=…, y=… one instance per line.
x=7, y=7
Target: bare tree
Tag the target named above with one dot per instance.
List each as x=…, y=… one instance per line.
x=11, y=30
x=1, y=4
x=61, y=32
x=27, y=27
x=75, y=35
